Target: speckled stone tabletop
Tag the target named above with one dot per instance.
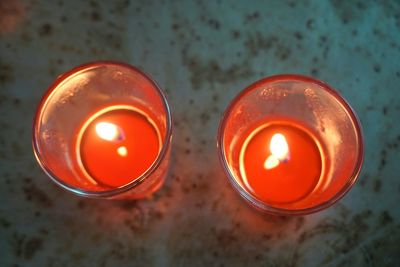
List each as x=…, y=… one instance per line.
x=202, y=53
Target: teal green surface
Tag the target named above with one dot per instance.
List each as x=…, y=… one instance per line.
x=202, y=53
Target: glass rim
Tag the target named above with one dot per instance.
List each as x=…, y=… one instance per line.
x=262, y=205
x=115, y=191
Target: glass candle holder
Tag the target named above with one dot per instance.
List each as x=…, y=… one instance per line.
x=103, y=130
x=290, y=145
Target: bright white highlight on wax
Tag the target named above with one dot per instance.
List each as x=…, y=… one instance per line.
x=122, y=151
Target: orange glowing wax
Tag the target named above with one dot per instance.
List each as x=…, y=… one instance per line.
x=117, y=145
x=280, y=162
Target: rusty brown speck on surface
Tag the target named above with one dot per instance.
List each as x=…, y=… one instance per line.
x=12, y=13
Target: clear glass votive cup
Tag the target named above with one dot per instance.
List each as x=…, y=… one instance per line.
x=290, y=145
x=104, y=130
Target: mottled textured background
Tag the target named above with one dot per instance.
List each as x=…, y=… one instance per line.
x=202, y=53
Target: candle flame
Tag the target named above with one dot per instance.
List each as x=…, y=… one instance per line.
x=107, y=131
x=122, y=151
x=279, y=151
x=278, y=146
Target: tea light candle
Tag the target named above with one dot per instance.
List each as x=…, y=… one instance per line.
x=280, y=161
x=117, y=144
x=104, y=130
x=290, y=145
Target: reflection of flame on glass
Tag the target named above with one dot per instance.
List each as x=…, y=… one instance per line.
x=108, y=131
x=279, y=151
x=122, y=151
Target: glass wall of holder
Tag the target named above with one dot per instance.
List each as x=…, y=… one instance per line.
x=104, y=130
x=290, y=145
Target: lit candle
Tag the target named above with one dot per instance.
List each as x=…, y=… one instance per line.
x=117, y=145
x=290, y=145
x=280, y=162
x=103, y=130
